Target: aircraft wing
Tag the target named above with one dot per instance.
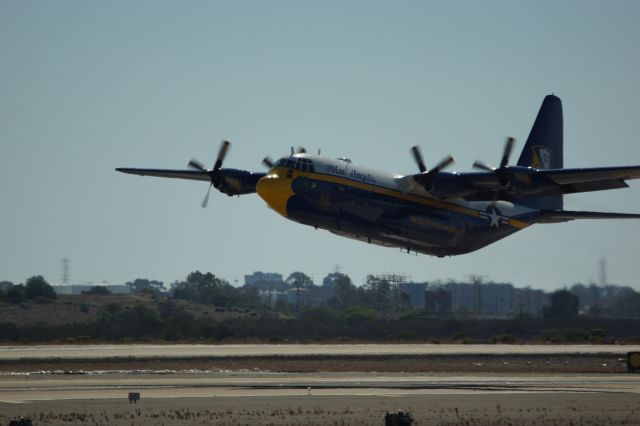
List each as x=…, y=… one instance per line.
x=176, y=174
x=526, y=182
x=592, y=179
x=553, y=216
x=226, y=180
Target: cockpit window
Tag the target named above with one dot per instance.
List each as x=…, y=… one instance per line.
x=306, y=165
x=302, y=164
x=285, y=162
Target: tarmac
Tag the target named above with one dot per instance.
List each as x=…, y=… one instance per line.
x=195, y=350
x=322, y=398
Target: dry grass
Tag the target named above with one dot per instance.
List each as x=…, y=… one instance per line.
x=433, y=410
x=67, y=309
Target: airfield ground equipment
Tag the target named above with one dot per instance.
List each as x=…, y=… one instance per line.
x=22, y=421
x=633, y=362
x=398, y=418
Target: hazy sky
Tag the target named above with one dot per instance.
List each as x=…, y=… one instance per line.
x=89, y=86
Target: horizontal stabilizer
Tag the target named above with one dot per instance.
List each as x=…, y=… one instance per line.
x=553, y=216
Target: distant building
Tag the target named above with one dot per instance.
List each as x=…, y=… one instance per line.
x=463, y=298
x=529, y=302
x=71, y=289
x=481, y=299
x=80, y=288
x=496, y=300
x=438, y=302
x=416, y=293
x=298, y=297
x=264, y=280
x=119, y=289
x=271, y=297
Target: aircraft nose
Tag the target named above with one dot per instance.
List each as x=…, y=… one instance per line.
x=275, y=190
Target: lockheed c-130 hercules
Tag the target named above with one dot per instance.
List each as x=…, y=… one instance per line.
x=432, y=212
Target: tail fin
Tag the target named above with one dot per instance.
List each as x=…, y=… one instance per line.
x=543, y=149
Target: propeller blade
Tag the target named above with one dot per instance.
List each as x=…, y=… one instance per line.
x=415, y=150
x=508, y=146
x=197, y=165
x=267, y=161
x=483, y=166
x=221, y=154
x=206, y=197
x=444, y=163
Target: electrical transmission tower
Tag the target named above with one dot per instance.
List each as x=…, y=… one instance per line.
x=602, y=271
x=65, y=271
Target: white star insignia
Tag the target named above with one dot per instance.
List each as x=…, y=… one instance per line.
x=495, y=218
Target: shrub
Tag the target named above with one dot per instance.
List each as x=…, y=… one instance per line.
x=506, y=338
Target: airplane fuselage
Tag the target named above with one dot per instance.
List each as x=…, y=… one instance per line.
x=432, y=212
x=356, y=202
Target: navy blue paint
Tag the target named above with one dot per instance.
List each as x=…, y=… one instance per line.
x=387, y=220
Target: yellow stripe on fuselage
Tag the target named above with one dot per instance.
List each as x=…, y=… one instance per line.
x=284, y=191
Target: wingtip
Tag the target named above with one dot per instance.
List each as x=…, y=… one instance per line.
x=126, y=170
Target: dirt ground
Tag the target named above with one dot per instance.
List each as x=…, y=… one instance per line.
x=477, y=409
x=583, y=363
x=603, y=403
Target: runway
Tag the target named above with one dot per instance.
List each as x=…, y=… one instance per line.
x=73, y=373
x=194, y=350
x=19, y=389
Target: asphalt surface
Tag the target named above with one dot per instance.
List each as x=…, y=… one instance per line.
x=34, y=388
x=190, y=350
x=46, y=385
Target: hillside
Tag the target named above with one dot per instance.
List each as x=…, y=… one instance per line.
x=84, y=308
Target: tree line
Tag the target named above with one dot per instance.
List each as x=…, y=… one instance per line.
x=377, y=294
x=360, y=313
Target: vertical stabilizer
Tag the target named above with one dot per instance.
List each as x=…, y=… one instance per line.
x=544, y=150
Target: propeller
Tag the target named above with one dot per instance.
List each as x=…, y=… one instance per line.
x=216, y=174
x=427, y=176
x=501, y=172
x=268, y=162
x=206, y=198
x=415, y=150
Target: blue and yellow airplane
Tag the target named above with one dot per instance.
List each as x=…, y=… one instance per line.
x=432, y=212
